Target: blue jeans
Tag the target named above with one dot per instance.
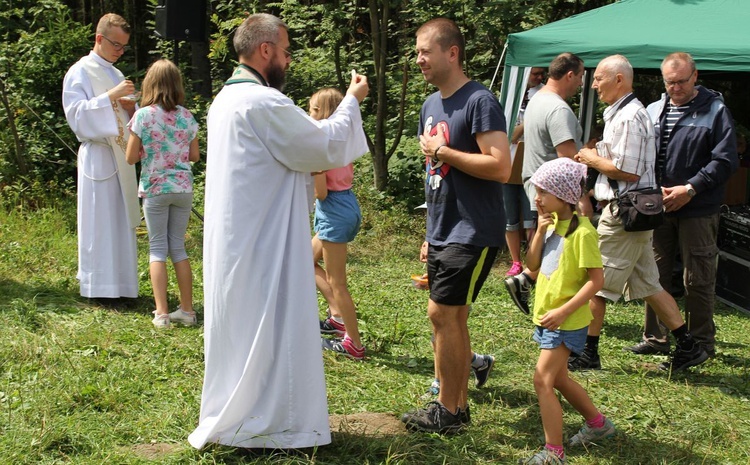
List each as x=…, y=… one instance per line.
x=517, y=207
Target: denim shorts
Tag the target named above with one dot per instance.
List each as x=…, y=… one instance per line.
x=517, y=207
x=575, y=340
x=338, y=217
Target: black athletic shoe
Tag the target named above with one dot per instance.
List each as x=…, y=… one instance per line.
x=519, y=292
x=464, y=415
x=648, y=348
x=483, y=372
x=683, y=358
x=434, y=418
x=585, y=361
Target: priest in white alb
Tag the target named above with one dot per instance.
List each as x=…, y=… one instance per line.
x=264, y=385
x=97, y=108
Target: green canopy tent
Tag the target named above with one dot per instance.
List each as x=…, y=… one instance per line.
x=715, y=32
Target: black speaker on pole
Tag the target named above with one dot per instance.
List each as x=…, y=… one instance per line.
x=181, y=20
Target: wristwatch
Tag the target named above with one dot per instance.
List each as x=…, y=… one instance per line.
x=690, y=190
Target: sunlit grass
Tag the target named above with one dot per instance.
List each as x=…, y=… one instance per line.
x=89, y=384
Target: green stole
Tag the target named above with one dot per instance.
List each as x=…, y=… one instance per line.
x=244, y=73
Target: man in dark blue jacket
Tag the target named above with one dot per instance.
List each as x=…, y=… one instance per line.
x=697, y=155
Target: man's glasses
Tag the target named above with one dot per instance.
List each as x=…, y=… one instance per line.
x=287, y=53
x=116, y=45
x=680, y=83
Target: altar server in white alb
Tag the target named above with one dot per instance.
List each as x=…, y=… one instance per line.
x=264, y=385
x=98, y=103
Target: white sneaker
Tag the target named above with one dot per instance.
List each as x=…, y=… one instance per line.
x=181, y=316
x=161, y=321
x=588, y=435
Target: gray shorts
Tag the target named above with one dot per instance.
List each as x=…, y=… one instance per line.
x=167, y=218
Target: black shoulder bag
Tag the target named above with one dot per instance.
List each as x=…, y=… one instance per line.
x=639, y=210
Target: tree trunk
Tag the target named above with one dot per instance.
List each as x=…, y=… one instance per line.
x=379, y=33
x=17, y=142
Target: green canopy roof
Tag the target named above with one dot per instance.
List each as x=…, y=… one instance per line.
x=715, y=32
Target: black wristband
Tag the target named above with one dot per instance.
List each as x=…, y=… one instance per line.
x=435, y=153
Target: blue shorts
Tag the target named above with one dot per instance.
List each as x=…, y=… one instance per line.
x=338, y=217
x=575, y=340
x=517, y=207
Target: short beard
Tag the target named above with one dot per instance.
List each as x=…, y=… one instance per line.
x=276, y=77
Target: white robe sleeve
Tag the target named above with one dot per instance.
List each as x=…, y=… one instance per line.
x=303, y=144
x=89, y=116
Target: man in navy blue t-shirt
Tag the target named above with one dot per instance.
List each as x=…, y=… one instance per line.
x=463, y=136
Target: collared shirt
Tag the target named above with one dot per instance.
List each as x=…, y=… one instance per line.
x=629, y=142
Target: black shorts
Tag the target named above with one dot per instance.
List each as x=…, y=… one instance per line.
x=456, y=272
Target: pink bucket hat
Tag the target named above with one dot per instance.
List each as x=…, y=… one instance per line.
x=562, y=178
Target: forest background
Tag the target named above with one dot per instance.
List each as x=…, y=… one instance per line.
x=41, y=39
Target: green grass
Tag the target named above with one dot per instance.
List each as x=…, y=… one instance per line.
x=86, y=384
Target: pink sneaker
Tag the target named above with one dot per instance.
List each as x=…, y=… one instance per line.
x=332, y=327
x=515, y=269
x=344, y=347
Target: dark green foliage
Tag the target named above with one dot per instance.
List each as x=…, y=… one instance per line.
x=39, y=43
x=41, y=39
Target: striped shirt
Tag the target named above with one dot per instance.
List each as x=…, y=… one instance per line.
x=673, y=114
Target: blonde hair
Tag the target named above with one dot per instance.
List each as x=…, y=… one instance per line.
x=678, y=56
x=163, y=86
x=111, y=20
x=325, y=101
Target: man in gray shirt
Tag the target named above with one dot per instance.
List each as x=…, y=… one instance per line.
x=551, y=131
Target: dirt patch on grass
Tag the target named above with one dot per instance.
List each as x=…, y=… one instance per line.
x=367, y=424
x=154, y=451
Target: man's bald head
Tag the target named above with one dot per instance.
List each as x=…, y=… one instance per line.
x=618, y=64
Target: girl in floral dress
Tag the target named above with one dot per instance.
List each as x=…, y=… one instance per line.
x=163, y=139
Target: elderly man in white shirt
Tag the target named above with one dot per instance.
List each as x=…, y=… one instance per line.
x=627, y=155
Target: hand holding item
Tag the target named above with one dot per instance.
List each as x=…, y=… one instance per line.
x=132, y=97
x=129, y=101
x=420, y=281
x=121, y=90
x=358, y=87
